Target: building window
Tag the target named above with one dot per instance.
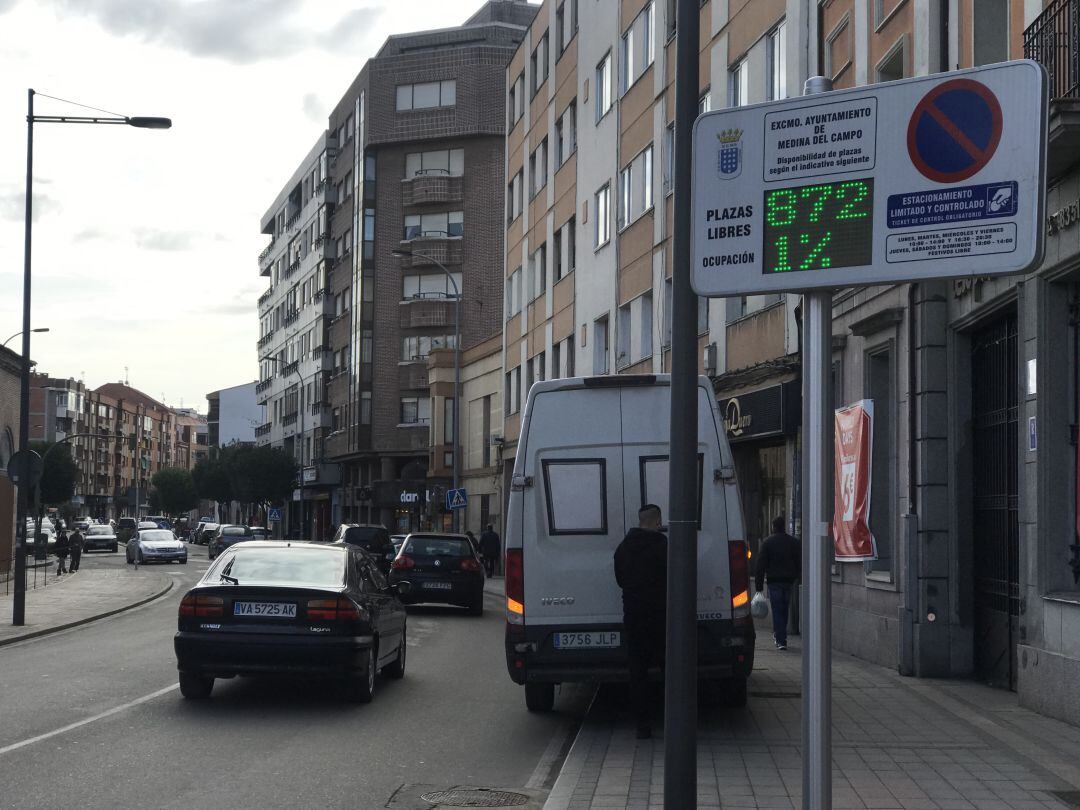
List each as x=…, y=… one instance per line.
x=891, y=68
x=879, y=388
x=448, y=420
x=516, y=101
x=991, y=32
x=637, y=48
x=537, y=280
x=539, y=63
x=557, y=254
x=415, y=411
x=603, y=86
x=427, y=94
x=556, y=360
x=600, y=346
x=668, y=301
x=571, y=245
x=513, y=197
x=432, y=285
x=704, y=103
x=365, y=407
x=538, y=168
x=570, y=356
x=635, y=188
x=740, y=84
x=622, y=337
x=776, y=62
x=702, y=315
x=602, y=215
x=441, y=161
x=838, y=49
x=513, y=294
x=565, y=24
x=445, y=224
x=512, y=391
x=566, y=133
x=646, y=340
x=669, y=158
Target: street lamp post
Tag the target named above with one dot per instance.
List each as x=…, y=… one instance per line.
x=40, y=329
x=457, y=367
x=18, y=613
x=300, y=408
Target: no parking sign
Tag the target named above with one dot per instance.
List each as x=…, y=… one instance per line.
x=935, y=177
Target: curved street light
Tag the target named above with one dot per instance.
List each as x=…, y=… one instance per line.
x=300, y=407
x=39, y=329
x=18, y=612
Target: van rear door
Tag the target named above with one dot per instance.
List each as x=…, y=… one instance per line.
x=574, y=518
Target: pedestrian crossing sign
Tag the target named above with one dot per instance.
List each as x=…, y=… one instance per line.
x=456, y=499
x=275, y=515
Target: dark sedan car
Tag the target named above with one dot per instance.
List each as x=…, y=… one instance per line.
x=441, y=568
x=372, y=538
x=281, y=608
x=226, y=536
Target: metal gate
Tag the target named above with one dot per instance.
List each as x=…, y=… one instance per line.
x=994, y=405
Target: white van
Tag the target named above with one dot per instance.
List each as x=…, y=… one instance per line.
x=592, y=451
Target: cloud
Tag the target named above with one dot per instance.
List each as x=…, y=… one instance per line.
x=13, y=204
x=154, y=239
x=313, y=107
x=6, y=5
x=237, y=31
x=89, y=235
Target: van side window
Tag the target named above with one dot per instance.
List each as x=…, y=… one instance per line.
x=576, y=491
x=655, y=471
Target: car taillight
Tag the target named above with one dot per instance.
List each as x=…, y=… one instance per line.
x=403, y=562
x=469, y=564
x=740, y=573
x=515, y=586
x=333, y=610
x=192, y=605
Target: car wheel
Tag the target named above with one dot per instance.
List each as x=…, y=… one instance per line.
x=361, y=689
x=396, y=670
x=183, y=561
x=477, y=607
x=732, y=692
x=195, y=687
x=113, y=548
x=539, y=697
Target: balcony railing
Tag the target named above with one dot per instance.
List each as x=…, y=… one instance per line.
x=289, y=368
x=266, y=251
x=265, y=297
x=263, y=430
x=263, y=385
x=292, y=221
x=290, y=271
x=426, y=250
x=290, y=317
x=289, y=419
x=265, y=339
x=430, y=188
x=1053, y=39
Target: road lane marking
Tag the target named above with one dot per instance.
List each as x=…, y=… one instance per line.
x=72, y=726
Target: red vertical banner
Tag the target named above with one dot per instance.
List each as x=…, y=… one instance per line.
x=853, y=449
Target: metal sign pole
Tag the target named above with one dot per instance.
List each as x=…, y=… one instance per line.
x=680, y=685
x=817, y=476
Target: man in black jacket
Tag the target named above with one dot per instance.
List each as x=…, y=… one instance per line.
x=489, y=548
x=779, y=561
x=641, y=571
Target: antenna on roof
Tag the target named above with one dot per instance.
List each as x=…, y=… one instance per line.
x=126, y=376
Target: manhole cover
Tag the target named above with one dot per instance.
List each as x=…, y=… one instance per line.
x=475, y=797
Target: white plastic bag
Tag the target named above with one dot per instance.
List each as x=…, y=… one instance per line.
x=759, y=606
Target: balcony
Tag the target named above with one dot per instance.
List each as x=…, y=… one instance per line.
x=289, y=368
x=264, y=384
x=336, y=444
x=289, y=419
x=413, y=377
x=418, y=313
x=290, y=271
x=1053, y=39
x=265, y=339
x=430, y=188
x=264, y=257
x=265, y=297
x=427, y=250
x=293, y=221
x=290, y=318
x=263, y=430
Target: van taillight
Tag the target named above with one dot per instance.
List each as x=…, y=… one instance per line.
x=740, y=573
x=192, y=605
x=515, y=586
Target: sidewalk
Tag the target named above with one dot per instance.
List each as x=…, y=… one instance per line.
x=79, y=598
x=897, y=743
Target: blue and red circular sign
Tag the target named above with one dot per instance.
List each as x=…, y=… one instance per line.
x=954, y=130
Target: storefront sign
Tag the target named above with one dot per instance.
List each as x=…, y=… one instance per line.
x=400, y=494
x=854, y=449
x=772, y=411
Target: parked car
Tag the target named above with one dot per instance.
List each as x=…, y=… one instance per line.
x=590, y=452
x=260, y=533
x=300, y=609
x=100, y=537
x=225, y=536
x=125, y=528
x=397, y=540
x=441, y=568
x=83, y=523
x=202, y=534
x=161, y=521
x=372, y=538
x=155, y=545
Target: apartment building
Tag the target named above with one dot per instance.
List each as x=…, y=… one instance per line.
x=416, y=178
x=295, y=314
x=975, y=385
x=10, y=378
x=589, y=208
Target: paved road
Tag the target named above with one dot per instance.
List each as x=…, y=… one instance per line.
x=90, y=717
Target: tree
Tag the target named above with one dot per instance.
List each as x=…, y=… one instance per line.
x=175, y=490
x=260, y=475
x=60, y=473
x=211, y=478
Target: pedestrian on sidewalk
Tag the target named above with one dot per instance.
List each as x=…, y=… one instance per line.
x=641, y=571
x=489, y=548
x=61, y=551
x=76, y=543
x=779, y=562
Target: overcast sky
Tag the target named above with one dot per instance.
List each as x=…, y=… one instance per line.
x=146, y=242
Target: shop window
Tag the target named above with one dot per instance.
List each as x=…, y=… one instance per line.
x=880, y=389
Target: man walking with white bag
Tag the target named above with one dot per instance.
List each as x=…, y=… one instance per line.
x=779, y=562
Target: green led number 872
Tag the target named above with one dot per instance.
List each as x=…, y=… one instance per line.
x=819, y=226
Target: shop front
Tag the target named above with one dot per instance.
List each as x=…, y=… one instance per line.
x=411, y=505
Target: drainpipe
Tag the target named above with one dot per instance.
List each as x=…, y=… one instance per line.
x=908, y=612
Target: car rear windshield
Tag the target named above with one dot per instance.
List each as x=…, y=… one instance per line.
x=362, y=535
x=99, y=530
x=284, y=566
x=155, y=535
x=234, y=531
x=438, y=547
x=127, y=523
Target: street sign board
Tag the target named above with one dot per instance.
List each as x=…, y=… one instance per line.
x=456, y=498
x=933, y=177
x=274, y=514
